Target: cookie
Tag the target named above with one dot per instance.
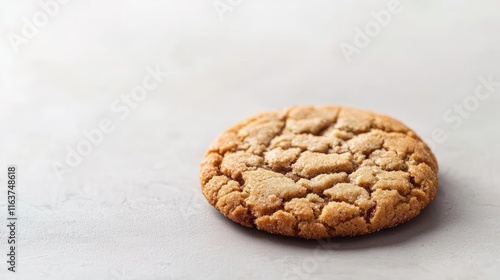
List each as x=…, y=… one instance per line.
x=318, y=172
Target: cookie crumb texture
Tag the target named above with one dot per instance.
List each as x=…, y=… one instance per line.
x=317, y=172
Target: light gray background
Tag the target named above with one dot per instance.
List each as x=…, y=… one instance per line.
x=133, y=208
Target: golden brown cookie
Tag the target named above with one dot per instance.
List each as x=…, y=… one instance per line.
x=317, y=172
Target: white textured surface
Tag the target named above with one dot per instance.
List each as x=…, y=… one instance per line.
x=133, y=208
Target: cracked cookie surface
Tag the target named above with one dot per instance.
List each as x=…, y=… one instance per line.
x=317, y=172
